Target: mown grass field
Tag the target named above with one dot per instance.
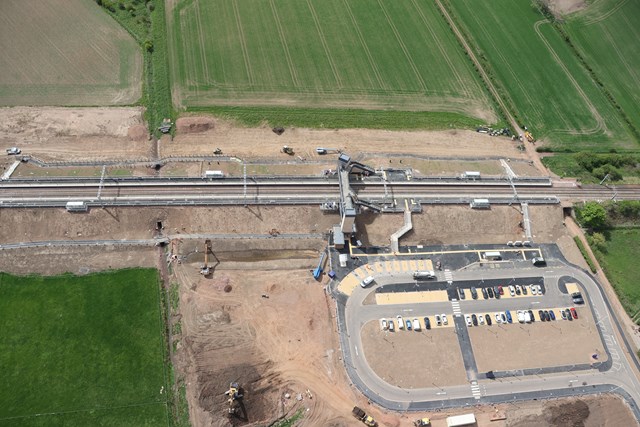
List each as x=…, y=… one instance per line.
x=607, y=35
x=66, y=52
x=356, y=54
x=549, y=89
x=80, y=351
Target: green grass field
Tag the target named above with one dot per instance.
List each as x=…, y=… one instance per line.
x=79, y=351
x=356, y=54
x=66, y=53
x=621, y=265
x=552, y=93
x=607, y=34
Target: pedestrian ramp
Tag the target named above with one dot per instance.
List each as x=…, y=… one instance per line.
x=411, y=297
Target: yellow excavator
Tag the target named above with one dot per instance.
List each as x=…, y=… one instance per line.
x=204, y=269
x=235, y=394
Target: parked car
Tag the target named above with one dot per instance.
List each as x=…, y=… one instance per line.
x=577, y=298
x=488, y=319
x=408, y=323
x=539, y=288
x=445, y=321
x=391, y=328
x=547, y=315
x=533, y=319
x=520, y=314
x=568, y=314
x=534, y=290
x=527, y=317
x=474, y=293
x=512, y=290
x=500, y=290
x=552, y=315
x=467, y=319
x=13, y=151
x=427, y=323
x=518, y=289
x=498, y=318
x=400, y=322
x=461, y=293
x=496, y=291
x=574, y=313
x=490, y=292
x=564, y=314
x=485, y=294
x=524, y=290
x=480, y=319
x=508, y=314
x=416, y=325
x=503, y=318
x=541, y=315
x=383, y=324
x=438, y=320
x=474, y=319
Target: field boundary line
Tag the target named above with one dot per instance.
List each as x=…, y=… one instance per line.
x=243, y=42
x=438, y=43
x=325, y=46
x=600, y=124
x=99, y=408
x=203, y=56
x=599, y=18
x=367, y=52
x=285, y=46
x=407, y=55
x=621, y=57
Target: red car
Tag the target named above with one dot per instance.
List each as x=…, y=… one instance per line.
x=574, y=313
x=500, y=290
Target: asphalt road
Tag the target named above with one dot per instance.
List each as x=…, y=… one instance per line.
x=618, y=376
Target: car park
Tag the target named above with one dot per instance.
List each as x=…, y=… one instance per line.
x=391, y=328
x=509, y=318
x=445, y=321
x=518, y=290
x=408, y=322
x=485, y=294
x=416, y=325
x=461, y=293
x=488, y=319
x=490, y=292
x=474, y=320
x=467, y=319
x=383, y=324
x=438, y=320
x=552, y=315
x=512, y=290
x=367, y=281
x=474, y=293
x=427, y=323
x=480, y=319
x=400, y=322
x=541, y=315
x=574, y=313
x=520, y=315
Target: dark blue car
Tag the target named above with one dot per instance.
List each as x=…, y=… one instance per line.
x=552, y=315
x=509, y=319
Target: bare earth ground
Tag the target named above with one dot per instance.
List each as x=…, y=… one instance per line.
x=410, y=359
x=507, y=347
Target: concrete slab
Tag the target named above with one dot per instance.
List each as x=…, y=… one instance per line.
x=411, y=297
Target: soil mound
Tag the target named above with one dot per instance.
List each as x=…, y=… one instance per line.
x=194, y=124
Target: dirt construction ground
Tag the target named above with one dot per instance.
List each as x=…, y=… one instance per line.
x=394, y=356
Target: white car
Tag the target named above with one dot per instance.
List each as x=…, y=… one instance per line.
x=534, y=290
x=367, y=281
x=400, y=322
x=480, y=319
x=383, y=324
x=498, y=318
x=13, y=151
x=467, y=319
x=520, y=316
x=540, y=290
x=512, y=290
x=438, y=320
x=444, y=319
x=416, y=325
x=527, y=317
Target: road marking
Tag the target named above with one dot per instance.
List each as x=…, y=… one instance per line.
x=475, y=390
x=440, y=393
x=448, y=275
x=456, y=308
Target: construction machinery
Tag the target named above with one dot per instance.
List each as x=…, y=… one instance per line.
x=217, y=151
x=204, y=269
x=529, y=136
x=422, y=422
x=235, y=396
x=288, y=150
x=362, y=416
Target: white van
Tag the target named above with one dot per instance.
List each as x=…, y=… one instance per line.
x=428, y=274
x=367, y=281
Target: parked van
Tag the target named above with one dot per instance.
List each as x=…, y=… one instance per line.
x=422, y=275
x=367, y=281
x=538, y=261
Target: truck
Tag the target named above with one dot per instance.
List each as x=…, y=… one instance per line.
x=362, y=416
x=214, y=174
x=461, y=420
x=422, y=275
